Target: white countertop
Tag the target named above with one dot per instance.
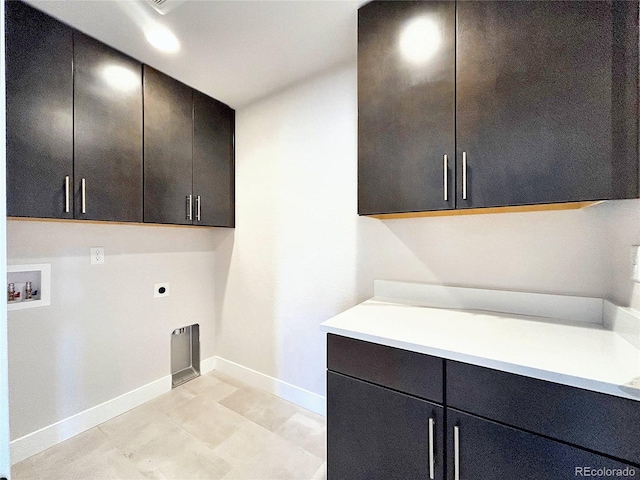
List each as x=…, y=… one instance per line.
x=578, y=353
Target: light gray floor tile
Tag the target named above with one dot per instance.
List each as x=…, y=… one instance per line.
x=227, y=379
x=209, y=422
x=261, y=407
x=172, y=399
x=214, y=389
x=130, y=437
x=307, y=430
x=201, y=383
x=24, y=471
x=109, y=465
x=321, y=474
x=254, y=453
x=177, y=455
x=211, y=428
x=86, y=446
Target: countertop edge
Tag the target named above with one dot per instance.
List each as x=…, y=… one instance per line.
x=540, y=374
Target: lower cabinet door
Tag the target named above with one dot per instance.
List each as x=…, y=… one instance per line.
x=486, y=450
x=375, y=433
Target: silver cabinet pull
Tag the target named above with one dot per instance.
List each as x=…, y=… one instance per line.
x=431, y=446
x=198, y=208
x=445, y=170
x=464, y=175
x=66, y=194
x=456, y=453
x=189, y=207
x=84, y=196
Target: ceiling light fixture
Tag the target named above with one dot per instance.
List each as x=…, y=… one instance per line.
x=165, y=6
x=162, y=38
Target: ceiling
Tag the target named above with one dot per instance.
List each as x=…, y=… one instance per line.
x=236, y=51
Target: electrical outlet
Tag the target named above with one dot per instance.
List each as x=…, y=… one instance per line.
x=97, y=255
x=160, y=290
x=635, y=267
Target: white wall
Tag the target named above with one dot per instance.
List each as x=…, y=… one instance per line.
x=301, y=254
x=103, y=334
x=4, y=389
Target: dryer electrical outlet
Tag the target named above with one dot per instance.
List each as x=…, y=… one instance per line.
x=160, y=290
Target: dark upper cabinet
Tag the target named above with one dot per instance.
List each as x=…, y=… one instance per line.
x=406, y=112
x=39, y=82
x=546, y=102
x=78, y=125
x=108, y=133
x=213, y=162
x=168, y=149
x=488, y=450
x=188, y=155
x=539, y=109
x=377, y=433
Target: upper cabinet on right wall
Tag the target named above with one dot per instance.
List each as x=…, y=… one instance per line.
x=496, y=103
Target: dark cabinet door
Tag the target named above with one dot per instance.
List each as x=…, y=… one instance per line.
x=108, y=133
x=168, y=145
x=39, y=82
x=406, y=113
x=488, y=450
x=213, y=162
x=377, y=433
x=547, y=103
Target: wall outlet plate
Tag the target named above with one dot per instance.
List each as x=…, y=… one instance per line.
x=160, y=290
x=635, y=267
x=97, y=255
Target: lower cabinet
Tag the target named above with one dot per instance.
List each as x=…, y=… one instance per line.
x=482, y=449
x=374, y=432
x=484, y=428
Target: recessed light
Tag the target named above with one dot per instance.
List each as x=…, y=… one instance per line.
x=162, y=38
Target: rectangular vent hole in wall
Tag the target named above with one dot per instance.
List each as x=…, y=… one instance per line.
x=185, y=354
x=20, y=277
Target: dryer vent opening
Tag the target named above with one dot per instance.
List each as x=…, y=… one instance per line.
x=185, y=354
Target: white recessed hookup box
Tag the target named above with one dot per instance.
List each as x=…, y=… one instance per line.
x=39, y=274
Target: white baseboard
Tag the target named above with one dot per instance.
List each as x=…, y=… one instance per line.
x=304, y=398
x=47, y=437
x=207, y=365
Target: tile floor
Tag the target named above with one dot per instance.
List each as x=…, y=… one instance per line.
x=212, y=427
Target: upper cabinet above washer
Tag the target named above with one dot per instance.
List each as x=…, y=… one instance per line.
x=39, y=76
x=86, y=140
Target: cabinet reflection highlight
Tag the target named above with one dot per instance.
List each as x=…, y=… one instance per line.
x=420, y=39
x=120, y=78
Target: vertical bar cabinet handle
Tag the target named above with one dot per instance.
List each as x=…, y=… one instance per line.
x=456, y=453
x=189, y=207
x=66, y=194
x=464, y=175
x=198, y=208
x=84, y=196
x=431, y=449
x=445, y=170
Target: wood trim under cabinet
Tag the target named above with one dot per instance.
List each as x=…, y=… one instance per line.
x=108, y=222
x=478, y=211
